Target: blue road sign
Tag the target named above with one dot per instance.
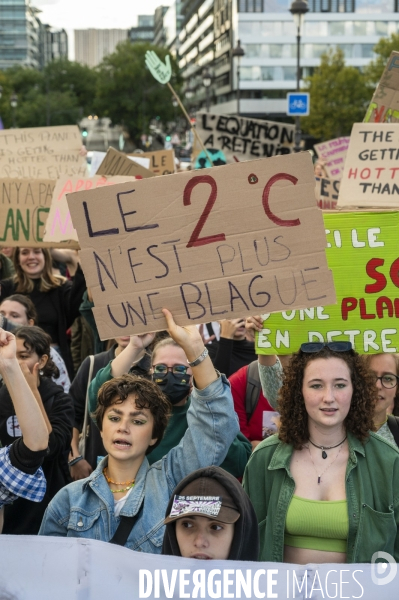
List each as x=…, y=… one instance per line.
x=298, y=104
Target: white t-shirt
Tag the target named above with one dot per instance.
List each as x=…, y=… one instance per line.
x=119, y=504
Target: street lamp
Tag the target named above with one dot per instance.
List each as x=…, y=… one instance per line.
x=298, y=9
x=14, y=104
x=207, y=82
x=239, y=53
x=189, y=93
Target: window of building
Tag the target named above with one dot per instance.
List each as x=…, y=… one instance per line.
x=250, y=6
x=359, y=27
x=275, y=6
x=336, y=28
x=376, y=6
x=315, y=28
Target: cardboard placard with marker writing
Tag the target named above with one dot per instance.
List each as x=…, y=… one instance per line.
x=117, y=163
x=198, y=250
x=59, y=226
x=229, y=138
x=371, y=175
x=327, y=192
x=363, y=255
x=384, y=105
x=333, y=153
x=41, y=153
x=24, y=208
x=162, y=162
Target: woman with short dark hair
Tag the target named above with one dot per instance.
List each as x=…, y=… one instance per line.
x=124, y=499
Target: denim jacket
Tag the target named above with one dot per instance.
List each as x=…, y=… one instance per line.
x=372, y=494
x=85, y=508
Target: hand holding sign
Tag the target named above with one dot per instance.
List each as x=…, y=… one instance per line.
x=160, y=71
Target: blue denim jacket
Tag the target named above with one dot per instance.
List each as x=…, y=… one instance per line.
x=85, y=508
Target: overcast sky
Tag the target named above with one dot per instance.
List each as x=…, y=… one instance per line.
x=100, y=14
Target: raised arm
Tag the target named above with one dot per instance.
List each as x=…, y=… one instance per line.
x=189, y=338
x=29, y=415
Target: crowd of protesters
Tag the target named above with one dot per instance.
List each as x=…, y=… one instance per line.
x=185, y=442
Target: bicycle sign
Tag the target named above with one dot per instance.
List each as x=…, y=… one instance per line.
x=298, y=104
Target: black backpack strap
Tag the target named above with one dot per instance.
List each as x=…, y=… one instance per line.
x=123, y=530
x=393, y=424
x=253, y=389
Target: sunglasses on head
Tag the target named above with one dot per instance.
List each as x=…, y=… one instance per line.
x=309, y=347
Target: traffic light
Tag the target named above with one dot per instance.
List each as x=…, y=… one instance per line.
x=167, y=138
x=84, y=134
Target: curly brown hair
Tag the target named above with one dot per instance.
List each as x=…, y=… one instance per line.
x=147, y=395
x=291, y=405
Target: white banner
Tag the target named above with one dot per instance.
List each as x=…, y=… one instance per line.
x=45, y=568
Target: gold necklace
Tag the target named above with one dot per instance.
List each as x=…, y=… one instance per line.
x=129, y=484
x=126, y=489
x=311, y=458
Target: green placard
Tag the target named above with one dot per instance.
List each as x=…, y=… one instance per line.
x=363, y=253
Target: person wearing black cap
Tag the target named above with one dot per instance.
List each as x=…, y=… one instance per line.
x=209, y=516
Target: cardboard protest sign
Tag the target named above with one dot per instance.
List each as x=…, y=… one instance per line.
x=24, y=207
x=384, y=105
x=327, y=192
x=371, y=175
x=41, y=152
x=59, y=226
x=237, y=138
x=162, y=162
x=197, y=249
x=117, y=163
x=333, y=153
x=363, y=255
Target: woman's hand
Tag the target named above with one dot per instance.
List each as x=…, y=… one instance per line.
x=189, y=338
x=254, y=323
x=32, y=378
x=8, y=348
x=229, y=327
x=140, y=342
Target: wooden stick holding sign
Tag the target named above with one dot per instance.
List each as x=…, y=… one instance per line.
x=162, y=72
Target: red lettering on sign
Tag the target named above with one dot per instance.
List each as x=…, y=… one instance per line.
x=209, y=239
x=380, y=279
x=265, y=201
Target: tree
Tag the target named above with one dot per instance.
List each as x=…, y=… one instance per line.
x=61, y=94
x=383, y=51
x=128, y=93
x=339, y=97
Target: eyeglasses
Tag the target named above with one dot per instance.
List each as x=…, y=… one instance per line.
x=309, y=347
x=388, y=381
x=176, y=369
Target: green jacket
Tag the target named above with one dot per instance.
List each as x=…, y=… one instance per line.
x=372, y=493
x=237, y=456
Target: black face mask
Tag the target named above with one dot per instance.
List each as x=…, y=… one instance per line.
x=175, y=386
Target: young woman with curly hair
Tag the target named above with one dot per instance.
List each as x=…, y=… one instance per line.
x=325, y=488
x=132, y=413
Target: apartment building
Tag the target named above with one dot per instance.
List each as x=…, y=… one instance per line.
x=266, y=30
x=92, y=45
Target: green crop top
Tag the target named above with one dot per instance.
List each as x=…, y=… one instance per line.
x=317, y=524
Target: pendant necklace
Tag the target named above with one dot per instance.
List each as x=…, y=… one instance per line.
x=324, y=448
x=319, y=476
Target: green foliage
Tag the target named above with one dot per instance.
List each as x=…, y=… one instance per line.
x=128, y=93
x=339, y=96
x=61, y=94
x=383, y=51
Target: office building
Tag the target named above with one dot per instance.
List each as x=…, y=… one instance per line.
x=53, y=44
x=267, y=33
x=144, y=32
x=19, y=34
x=92, y=45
